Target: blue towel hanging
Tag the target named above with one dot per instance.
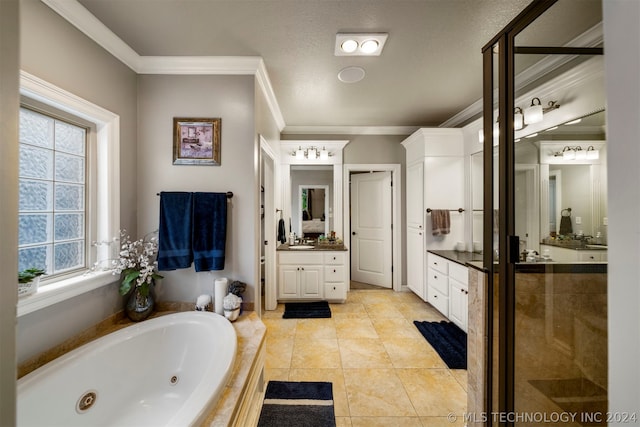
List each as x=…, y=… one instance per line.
x=175, y=231
x=209, y=230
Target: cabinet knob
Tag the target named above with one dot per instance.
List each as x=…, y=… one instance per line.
x=334, y=288
x=302, y=268
x=334, y=258
x=419, y=234
x=435, y=296
x=334, y=270
x=419, y=226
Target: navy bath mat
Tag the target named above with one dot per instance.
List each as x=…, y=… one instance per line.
x=302, y=310
x=303, y=404
x=449, y=341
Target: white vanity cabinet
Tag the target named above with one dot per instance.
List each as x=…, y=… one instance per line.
x=312, y=275
x=559, y=254
x=447, y=289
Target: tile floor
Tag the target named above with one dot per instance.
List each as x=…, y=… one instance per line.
x=384, y=373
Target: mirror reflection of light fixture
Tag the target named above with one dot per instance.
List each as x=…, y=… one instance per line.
x=299, y=153
x=533, y=113
x=592, y=153
x=580, y=153
x=481, y=136
x=568, y=153
x=324, y=154
x=518, y=119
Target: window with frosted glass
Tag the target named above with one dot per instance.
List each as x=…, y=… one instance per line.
x=51, y=233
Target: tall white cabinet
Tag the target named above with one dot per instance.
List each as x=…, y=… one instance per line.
x=435, y=180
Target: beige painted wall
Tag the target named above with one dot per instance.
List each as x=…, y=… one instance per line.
x=9, y=52
x=57, y=52
x=160, y=99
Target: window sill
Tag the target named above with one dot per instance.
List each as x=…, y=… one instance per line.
x=64, y=289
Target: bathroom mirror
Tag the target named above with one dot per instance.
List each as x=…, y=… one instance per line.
x=311, y=200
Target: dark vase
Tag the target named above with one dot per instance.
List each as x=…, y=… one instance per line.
x=138, y=306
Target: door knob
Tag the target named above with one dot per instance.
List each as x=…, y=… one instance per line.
x=353, y=233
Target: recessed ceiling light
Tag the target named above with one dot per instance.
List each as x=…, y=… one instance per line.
x=359, y=44
x=369, y=46
x=351, y=74
x=349, y=46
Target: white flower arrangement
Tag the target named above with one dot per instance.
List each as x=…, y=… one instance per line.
x=137, y=261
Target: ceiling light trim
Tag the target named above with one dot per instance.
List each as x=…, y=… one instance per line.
x=360, y=39
x=350, y=130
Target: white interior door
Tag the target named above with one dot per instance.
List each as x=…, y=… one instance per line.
x=371, y=256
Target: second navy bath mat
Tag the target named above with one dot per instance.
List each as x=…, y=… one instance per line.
x=308, y=404
x=449, y=341
x=303, y=310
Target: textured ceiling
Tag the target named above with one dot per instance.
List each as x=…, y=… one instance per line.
x=430, y=69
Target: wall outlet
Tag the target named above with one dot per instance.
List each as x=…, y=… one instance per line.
x=605, y=221
x=578, y=220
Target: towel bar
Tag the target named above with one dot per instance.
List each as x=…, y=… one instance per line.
x=452, y=210
x=229, y=194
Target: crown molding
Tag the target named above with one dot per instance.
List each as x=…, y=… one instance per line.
x=78, y=16
x=350, y=130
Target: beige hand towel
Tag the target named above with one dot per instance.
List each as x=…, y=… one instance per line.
x=440, y=222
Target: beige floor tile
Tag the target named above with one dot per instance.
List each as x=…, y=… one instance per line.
x=317, y=353
x=355, y=328
x=461, y=376
x=280, y=328
x=334, y=376
x=449, y=421
x=412, y=353
x=420, y=311
x=276, y=374
x=373, y=296
x=376, y=392
x=313, y=329
x=343, y=422
x=383, y=309
x=385, y=422
x=433, y=392
x=348, y=308
x=279, y=352
x=363, y=353
x=396, y=328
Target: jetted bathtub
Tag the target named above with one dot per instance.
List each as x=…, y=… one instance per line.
x=166, y=371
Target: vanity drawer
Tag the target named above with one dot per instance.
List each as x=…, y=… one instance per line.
x=438, y=263
x=301, y=257
x=334, y=258
x=335, y=291
x=458, y=272
x=334, y=273
x=438, y=281
x=439, y=301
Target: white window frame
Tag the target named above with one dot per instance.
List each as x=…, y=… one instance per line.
x=107, y=194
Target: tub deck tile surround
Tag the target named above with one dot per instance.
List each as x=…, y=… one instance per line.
x=251, y=333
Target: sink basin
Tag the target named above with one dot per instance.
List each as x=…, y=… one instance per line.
x=597, y=246
x=300, y=247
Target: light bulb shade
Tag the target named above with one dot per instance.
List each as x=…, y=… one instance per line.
x=299, y=154
x=324, y=154
x=580, y=154
x=592, y=153
x=481, y=136
x=568, y=153
x=312, y=153
x=518, y=119
x=533, y=113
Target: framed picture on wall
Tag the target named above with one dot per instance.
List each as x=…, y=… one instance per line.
x=196, y=141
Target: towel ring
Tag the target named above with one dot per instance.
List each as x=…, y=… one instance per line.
x=566, y=212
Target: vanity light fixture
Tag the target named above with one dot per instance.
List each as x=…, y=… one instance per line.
x=311, y=153
x=359, y=44
x=592, y=153
x=580, y=153
x=535, y=112
x=518, y=119
x=568, y=153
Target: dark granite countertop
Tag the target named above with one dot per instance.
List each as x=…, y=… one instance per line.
x=463, y=258
x=314, y=248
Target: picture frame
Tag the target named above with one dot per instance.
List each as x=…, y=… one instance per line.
x=196, y=141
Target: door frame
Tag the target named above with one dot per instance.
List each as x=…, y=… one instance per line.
x=270, y=282
x=396, y=213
